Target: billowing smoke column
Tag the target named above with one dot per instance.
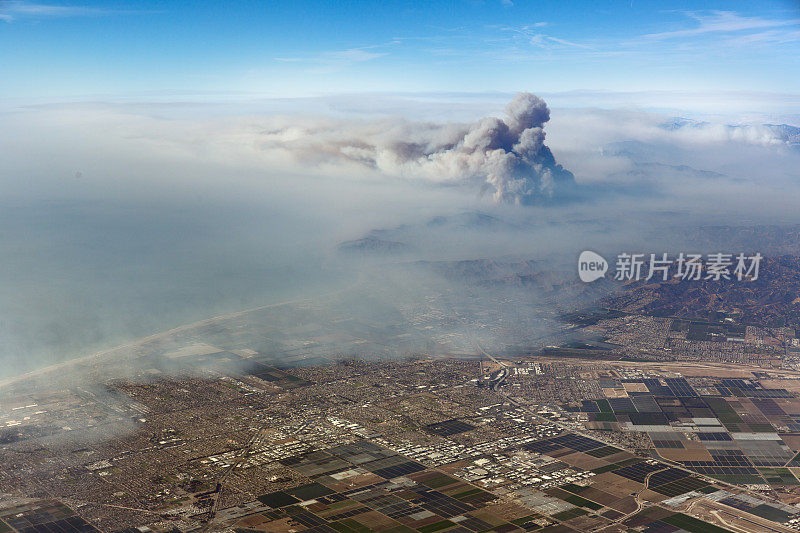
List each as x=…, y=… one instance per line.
x=506, y=156
x=511, y=153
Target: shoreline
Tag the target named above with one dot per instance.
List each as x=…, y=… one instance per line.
x=84, y=358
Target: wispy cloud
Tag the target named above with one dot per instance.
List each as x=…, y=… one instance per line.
x=772, y=36
x=569, y=43
x=353, y=55
x=713, y=33
x=14, y=10
x=536, y=38
x=335, y=60
x=722, y=22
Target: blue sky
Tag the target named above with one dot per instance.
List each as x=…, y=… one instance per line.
x=88, y=49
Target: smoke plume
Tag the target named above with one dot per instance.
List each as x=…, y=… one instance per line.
x=505, y=156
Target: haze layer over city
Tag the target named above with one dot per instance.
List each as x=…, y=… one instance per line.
x=325, y=266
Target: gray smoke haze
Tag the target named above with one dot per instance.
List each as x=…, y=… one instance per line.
x=348, y=227
x=121, y=220
x=507, y=156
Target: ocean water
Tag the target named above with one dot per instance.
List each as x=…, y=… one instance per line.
x=78, y=277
